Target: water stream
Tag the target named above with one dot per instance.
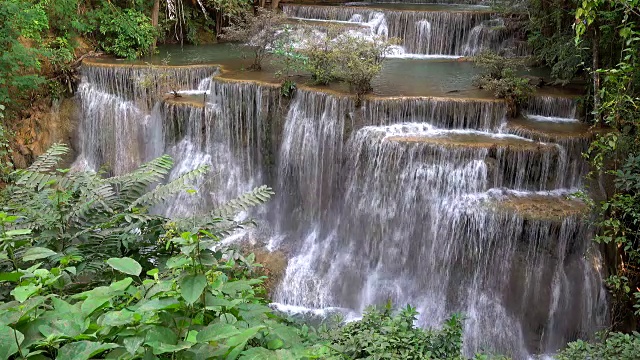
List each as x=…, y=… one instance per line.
x=438, y=202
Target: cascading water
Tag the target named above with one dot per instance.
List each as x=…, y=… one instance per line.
x=419, y=207
x=441, y=203
x=449, y=33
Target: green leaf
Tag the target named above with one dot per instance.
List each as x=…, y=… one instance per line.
x=92, y=303
x=8, y=345
x=192, y=286
x=275, y=344
x=36, y=253
x=216, y=332
x=121, y=285
x=22, y=293
x=161, y=348
x=258, y=353
x=10, y=276
x=244, y=336
x=158, y=304
x=125, y=265
x=17, y=232
x=132, y=344
x=83, y=350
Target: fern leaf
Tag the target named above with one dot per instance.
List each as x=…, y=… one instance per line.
x=49, y=159
x=133, y=185
x=257, y=196
x=162, y=193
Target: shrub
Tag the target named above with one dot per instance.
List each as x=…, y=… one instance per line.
x=615, y=346
x=500, y=78
x=358, y=60
x=261, y=32
x=320, y=53
x=125, y=33
x=389, y=335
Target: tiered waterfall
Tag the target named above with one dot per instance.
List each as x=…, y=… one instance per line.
x=442, y=203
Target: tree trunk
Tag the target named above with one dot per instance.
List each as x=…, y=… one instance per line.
x=596, y=74
x=274, y=4
x=154, y=21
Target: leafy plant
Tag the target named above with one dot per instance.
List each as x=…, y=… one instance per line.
x=261, y=32
x=125, y=33
x=357, y=61
x=614, y=346
x=383, y=334
x=501, y=79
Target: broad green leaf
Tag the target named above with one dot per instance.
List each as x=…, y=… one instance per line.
x=177, y=261
x=275, y=344
x=162, y=348
x=216, y=332
x=132, y=344
x=22, y=293
x=244, y=336
x=117, y=318
x=83, y=350
x=92, y=303
x=160, y=334
x=121, y=285
x=258, y=353
x=158, y=304
x=36, y=253
x=8, y=344
x=191, y=287
x=10, y=276
x=125, y=265
x=17, y=232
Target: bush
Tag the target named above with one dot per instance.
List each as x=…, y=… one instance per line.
x=389, y=335
x=615, y=346
x=358, y=60
x=320, y=53
x=500, y=78
x=125, y=33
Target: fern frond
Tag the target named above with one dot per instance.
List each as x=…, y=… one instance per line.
x=162, y=193
x=99, y=197
x=257, y=196
x=131, y=186
x=48, y=160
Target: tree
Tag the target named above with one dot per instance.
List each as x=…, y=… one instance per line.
x=260, y=32
x=501, y=79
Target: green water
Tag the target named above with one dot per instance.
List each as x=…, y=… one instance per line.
x=399, y=77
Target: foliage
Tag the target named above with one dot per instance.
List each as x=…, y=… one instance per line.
x=21, y=23
x=83, y=215
x=501, y=79
x=552, y=40
x=124, y=32
x=200, y=303
x=385, y=335
x=262, y=32
x=320, y=53
x=617, y=152
x=615, y=346
x=358, y=60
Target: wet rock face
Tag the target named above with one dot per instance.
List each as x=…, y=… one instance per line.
x=45, y=123
x=443, y=203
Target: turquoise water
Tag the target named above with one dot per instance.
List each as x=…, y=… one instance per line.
x=399, y=77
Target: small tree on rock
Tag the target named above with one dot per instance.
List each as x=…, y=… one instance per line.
x=261, y=32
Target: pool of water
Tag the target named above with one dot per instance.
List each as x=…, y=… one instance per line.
x=399, y=77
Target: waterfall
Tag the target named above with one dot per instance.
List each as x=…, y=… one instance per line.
x=442, y=203
x=120, y=129
x=425, y=201
x=445, y=34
